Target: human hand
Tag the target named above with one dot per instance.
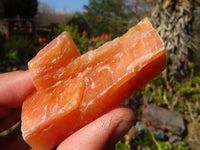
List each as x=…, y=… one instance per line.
x=14, y=87
x=103, y=133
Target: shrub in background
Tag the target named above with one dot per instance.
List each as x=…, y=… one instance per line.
x=17, y=51
x=80, y=40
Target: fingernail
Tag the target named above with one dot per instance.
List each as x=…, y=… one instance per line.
x=123, y=128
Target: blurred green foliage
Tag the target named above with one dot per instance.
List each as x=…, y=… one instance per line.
x=121, y=146
x=147, y=140
x=106, y=16
x=156, y=92
x=184, y=99
x=168, y=146
x=112, y=17
x=189, y=87
x=80, y=40
x=16, y=52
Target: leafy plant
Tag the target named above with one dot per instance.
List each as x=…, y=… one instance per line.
x=166, y=145
x=17, y=52
x=184, y=99
x=121, y=146
x=12, y=57
x=145, y=139
x=81, y=41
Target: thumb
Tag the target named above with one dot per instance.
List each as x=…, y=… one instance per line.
x=103, y=133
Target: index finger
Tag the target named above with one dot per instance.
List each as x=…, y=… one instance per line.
x=14, y=87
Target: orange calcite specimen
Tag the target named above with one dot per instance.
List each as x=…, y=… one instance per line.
x=74, y=90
